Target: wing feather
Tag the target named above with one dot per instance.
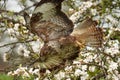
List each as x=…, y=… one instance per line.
x=88, y=33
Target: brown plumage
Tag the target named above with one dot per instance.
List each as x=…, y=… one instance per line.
x=88, y=34
x=56, y=30
x=52, y=23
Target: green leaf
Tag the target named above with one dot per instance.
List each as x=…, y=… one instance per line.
x=5, y=77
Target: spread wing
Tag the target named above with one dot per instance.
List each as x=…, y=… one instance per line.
x=88, y=33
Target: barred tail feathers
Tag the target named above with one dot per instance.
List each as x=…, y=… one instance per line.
x=88, y=34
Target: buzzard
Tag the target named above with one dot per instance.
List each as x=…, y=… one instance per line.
x=62, y=42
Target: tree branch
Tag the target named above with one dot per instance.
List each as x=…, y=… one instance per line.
x=16, y=43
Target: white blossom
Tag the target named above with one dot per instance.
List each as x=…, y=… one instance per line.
x=77, y=72
x=11, y=34
x=76, y=62
x=16, y=27
x=92, y=68
x=84, y=67
x=36, y=79
x=60, y=75
x=112, y=51
x=83, y=74
x=36, y=45
x=20, y=71
x=112, y=19
x=114, y=47
x=93, y=11
x=88, y=4
x=68, y=68
x=22, y=51
x=5, y=57
x=75, y=16
x=118, y=60
x=88, y=59
x=34, y=71
x=115, y=77
x=68, y=79
x=10, y=31
x=113, y=66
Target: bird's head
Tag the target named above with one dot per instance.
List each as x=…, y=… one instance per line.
x=46, y=5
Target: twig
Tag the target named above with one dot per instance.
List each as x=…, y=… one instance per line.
x=28, y=8
x=7, y=11
x=16, y=43
x=18, y=13
x=98, y=76
x=90, y=64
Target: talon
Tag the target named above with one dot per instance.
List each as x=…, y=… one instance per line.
x=80, y=44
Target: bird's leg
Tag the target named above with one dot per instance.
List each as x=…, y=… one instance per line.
x=80, y=44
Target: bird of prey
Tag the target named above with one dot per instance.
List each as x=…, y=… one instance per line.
x=62, y=40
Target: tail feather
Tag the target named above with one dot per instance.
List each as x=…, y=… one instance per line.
x=88, y=33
